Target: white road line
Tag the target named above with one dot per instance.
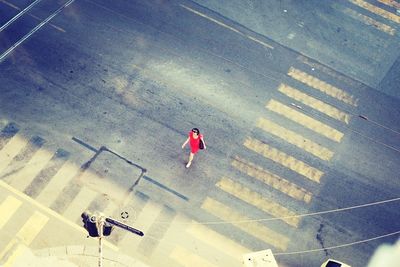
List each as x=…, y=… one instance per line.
x=7, y=208
x=40, y=25
x=57, y=183
x=19, y=15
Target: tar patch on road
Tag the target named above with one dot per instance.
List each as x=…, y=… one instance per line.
x=320, y=238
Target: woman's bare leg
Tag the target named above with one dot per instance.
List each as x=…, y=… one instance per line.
x=191, y=155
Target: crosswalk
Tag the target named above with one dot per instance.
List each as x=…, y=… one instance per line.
x=274, y=181
x=298, y=132
x=367, y=34
x=45, y=175
x=303, y=119
x=307, y=114
x=378, y=10
x=51, y=179
x=28, y=166
x=311, y=102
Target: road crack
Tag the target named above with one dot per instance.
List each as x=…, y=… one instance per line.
x=320, y=238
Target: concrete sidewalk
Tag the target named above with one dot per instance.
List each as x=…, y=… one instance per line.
x=68, y=256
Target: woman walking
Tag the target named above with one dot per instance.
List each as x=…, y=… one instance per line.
x=196, y=142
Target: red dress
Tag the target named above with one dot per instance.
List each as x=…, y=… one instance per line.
x=194, y=143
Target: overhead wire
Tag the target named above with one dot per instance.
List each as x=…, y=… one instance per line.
x=174, y=244
x=355, y=131
x=292, y=216
x=337, y=246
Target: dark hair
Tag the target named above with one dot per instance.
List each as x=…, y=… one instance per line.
x=196, y=130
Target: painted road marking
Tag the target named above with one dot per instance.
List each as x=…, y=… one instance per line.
x=134, y=206
x=188, y=259
x=273, y=180
x=227, y=27
x=8, y=131
x=7, y=209
x=254, y=229
x=206, y=243
x=295, y=139
x=322, y=86
x=391, y=3
x=50, y=24
x=41, y=180
x=32, y=227
x=57, y=183
x=25, y=235
x=22, y=178
x=305, y=120
x=314, y=103
x=54, y=214
x=327, y=70
x=16, y=253
x=157, y=231
x=376, y=10
x=285, y=160
x=369, y=21
x=113, y=210
x=5, y=25
x=36, y=28
x=143, y=221
x=10, y=150
x=257, y=200
x=80, y=203
x=9, y=4
x=217, y=241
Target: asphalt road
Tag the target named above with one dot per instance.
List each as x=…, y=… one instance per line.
x=298, y=102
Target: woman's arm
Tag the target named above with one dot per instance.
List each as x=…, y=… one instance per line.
x=184, y=144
